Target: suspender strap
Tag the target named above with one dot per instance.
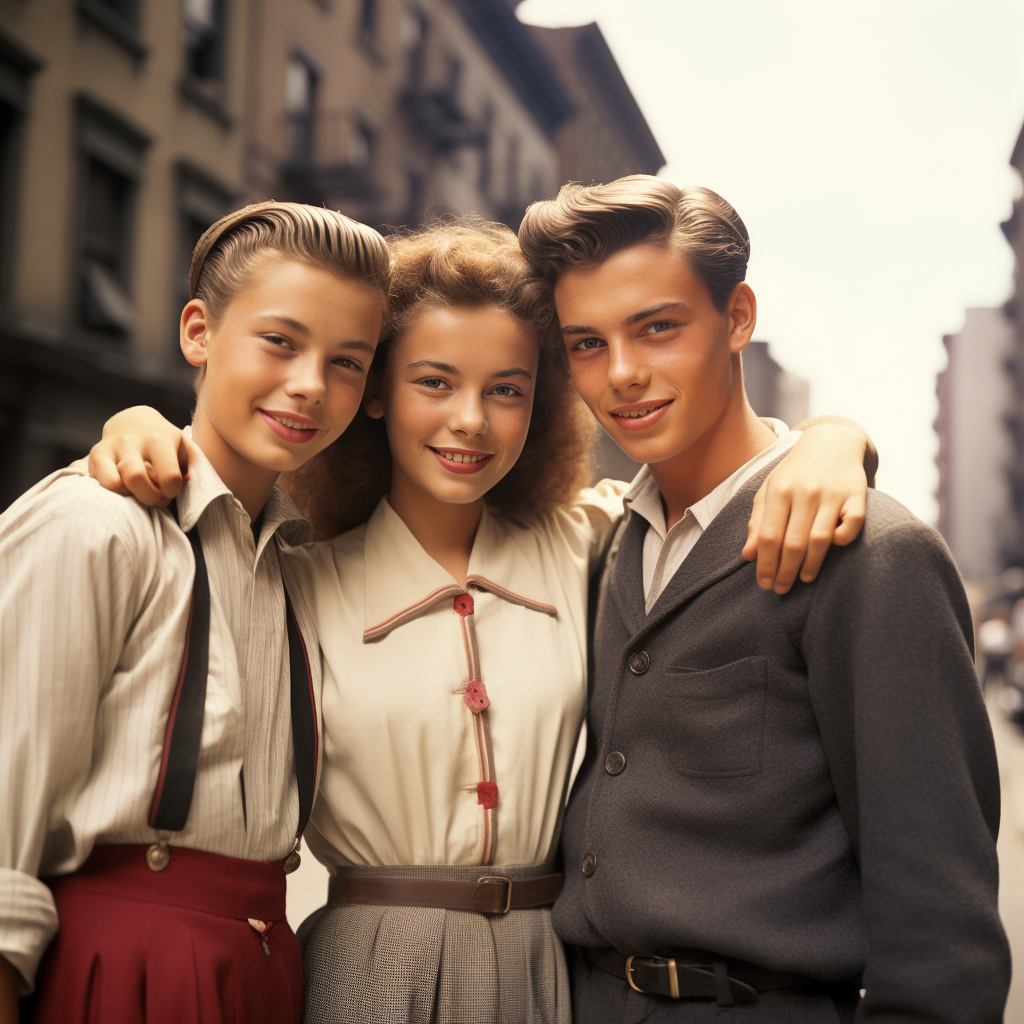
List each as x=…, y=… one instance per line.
x=177, y=778
x=304, y=724
x=176, y=782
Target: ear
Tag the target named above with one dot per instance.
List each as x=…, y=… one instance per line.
x=373, y=406
x=194, y=332
x=741, y=314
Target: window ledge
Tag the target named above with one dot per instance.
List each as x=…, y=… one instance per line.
x=114, y=25
x=193, y=91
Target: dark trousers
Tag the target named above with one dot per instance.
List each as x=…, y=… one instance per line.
x=601, y=998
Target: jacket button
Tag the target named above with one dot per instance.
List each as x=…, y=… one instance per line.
x=639, y=663
x=589, y=863
x=614, y=762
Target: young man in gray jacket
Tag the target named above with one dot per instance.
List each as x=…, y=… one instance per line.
x=787, y=797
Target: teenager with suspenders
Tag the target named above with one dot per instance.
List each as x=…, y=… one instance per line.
x=159, y=676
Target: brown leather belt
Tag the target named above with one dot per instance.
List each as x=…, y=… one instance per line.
x=694, y=974
x=489, y=894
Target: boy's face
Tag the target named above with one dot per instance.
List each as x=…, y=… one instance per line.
x=649, y=353
x=285, y=366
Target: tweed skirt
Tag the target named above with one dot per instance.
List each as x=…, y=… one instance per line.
x=392, y=965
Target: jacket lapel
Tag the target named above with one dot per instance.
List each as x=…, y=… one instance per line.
x=625, y=573
x=715, y=556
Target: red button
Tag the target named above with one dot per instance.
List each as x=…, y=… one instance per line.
x=464, y=604
x=487, y=794
x=476, y=697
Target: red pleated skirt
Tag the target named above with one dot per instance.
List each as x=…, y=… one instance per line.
x=171, y=946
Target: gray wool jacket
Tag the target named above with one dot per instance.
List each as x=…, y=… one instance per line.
x=807, y=782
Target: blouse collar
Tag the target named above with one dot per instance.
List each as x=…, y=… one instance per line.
x=402, y=581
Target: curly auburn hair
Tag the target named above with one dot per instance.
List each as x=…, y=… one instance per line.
x=459, y=263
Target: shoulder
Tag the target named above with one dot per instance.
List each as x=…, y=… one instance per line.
x=896, y=555
x=70, y=503
x=593, y=512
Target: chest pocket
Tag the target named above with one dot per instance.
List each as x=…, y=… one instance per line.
x=715, y=718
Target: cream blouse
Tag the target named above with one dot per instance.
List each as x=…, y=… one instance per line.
x=452, y=718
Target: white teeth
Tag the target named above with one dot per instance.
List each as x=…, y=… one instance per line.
x=459, y=457
x=292, y=424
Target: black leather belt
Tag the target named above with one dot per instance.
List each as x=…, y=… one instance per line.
x=694, y=974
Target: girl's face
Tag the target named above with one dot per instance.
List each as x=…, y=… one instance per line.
x=456, y=399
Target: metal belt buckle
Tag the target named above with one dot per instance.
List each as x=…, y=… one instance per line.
x=508, y=890
x=673, y=977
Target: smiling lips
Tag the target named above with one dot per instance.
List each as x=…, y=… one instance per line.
x=640, y=415
x=298, y=429
x=461, y=460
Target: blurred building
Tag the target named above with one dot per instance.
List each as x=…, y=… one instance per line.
x=974, y=446
x=128, y=126
x=120, y=127
x=1014, y=310
x=771, y=390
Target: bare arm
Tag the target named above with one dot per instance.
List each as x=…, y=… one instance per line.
x=814, y=498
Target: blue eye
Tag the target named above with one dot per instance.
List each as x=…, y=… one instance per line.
x=659, y=327
x=434, y=383
x=505, y=391
x=588, y=344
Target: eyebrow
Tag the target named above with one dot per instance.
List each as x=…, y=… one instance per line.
x=365, y=346
x=630, y=320
x=295, y=325
x=514, y=371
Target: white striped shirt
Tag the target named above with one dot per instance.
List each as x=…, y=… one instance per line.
x=93, y=610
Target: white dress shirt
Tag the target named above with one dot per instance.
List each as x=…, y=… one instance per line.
x=93, y=611
x=665, y=549
x=402, y=754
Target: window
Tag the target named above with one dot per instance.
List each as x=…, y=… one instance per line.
x=204, y=39
x=119, y=19
x=201, y=201
x=111, y=154
x=412, y=35
x=16, y=68
x=300, y=89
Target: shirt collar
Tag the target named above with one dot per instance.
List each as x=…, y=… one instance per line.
x=644, y=498
x=401, y=581
x=204, y=486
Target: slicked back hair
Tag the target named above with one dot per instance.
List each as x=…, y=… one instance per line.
x=586, y=224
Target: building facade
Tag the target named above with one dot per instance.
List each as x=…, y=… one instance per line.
x=974, y=393
x=128, y=126
x=1014, y=310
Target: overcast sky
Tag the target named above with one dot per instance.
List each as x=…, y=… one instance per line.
x=866, y=146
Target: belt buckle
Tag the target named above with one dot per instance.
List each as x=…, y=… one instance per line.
x=657, y=961
x=508, y=889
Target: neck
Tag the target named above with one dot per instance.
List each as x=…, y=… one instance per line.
x=730, y=442
x=445, y=531
x=250, y=484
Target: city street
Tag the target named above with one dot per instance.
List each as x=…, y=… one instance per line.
x=1010, y=747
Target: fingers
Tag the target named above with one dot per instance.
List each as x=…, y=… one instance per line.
x=135, y=475
x=103, y=468
x=772, y=533
x=754, y=525
x=819, y=539
x=853, y=515
x=794, y=543
x=164, y=468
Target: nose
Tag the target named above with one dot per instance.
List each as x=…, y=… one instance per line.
x=308, y=379
x=467, y=415
x=624, y=369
